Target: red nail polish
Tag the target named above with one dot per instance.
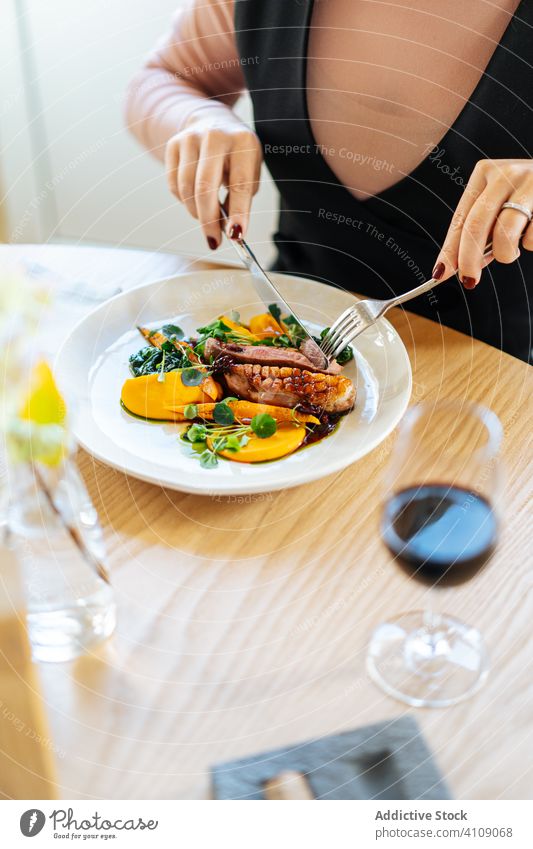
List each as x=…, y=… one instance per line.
x=438, y=271
x=469, y=282
x=213, y=244
x=235, y=232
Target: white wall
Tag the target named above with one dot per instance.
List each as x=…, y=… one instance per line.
x=85, y=178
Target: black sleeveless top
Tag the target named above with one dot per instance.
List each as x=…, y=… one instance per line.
x=388, y=244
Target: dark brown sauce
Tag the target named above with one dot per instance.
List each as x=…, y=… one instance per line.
x=317, y=432
x=221, y=365
x=328, y=422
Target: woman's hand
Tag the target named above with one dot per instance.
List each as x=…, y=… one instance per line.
x=206, y=155
x=479, y=217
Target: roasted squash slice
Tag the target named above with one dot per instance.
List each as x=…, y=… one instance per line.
x=286, y=440
x=150, y=398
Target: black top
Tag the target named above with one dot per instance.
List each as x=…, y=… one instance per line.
x=389, y=243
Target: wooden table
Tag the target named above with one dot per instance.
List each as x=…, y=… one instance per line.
x=243, y=623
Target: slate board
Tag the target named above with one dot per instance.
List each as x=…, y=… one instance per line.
x=389, y=760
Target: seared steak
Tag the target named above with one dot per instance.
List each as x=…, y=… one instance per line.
x=265, y=355
x=287, y=387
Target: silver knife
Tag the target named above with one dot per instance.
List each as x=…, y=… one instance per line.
x=271, y=297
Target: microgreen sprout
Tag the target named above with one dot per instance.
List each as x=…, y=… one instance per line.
x=209, y=440
x=161, y=375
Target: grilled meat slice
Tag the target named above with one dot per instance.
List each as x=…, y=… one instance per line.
x=287, y=387
x=265, y=355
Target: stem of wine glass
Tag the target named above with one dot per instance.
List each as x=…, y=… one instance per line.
x=427, y=648
x=431, y=622
x=433, y=607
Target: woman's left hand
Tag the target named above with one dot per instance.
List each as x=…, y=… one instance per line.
x=479, y=217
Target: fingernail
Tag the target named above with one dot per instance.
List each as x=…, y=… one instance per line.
x=235, y=232
x=212, y=242
x=438, y=271
x=469, y=282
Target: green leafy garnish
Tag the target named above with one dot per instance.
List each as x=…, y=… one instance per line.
x=223, y=414
x=190, y=411
x=295, y=331
x=208, y=460
x=161, y=375
x=281, y=341
x=275, y=311
x=149, y=360
x=233, y=443
x=263, y=425
x=172, y=330
x=226, y=437
x=197, y=433
x=192, y=376
x=216, y=330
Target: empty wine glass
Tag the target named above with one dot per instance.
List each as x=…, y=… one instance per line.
x=440, y=521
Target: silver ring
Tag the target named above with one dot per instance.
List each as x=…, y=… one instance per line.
x=519, y=208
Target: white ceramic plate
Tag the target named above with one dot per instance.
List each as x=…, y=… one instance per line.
x=93, y=363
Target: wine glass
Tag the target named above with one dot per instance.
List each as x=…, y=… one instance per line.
x=440, y=521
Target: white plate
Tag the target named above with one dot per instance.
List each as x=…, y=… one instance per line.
x=93, y=363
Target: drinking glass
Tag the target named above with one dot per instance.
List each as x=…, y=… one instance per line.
x=52, y=526
x=440, y=521
x=70, y=604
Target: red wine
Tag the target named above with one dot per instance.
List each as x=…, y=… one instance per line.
x=440, y=533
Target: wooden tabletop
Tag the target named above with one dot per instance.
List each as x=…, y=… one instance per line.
x=244, y=622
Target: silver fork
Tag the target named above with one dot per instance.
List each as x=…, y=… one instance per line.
x=360, y=316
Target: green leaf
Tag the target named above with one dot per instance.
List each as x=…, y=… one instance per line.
x=199, y=447
x=345, y=355
x=282, y=341
x=197, y=433
x=148, y=360
x=190, y=411
x=233, y=443
x=295, y=331
x=216, y=326
x=219, y=443
x=239, y=338
x=172, y=330
x=192, y=376
x=263, y=425
x=208, y=460
x=223, y=414
x=275, y=311
x=145, y=361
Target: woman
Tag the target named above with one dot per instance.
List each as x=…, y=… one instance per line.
x=396, y=134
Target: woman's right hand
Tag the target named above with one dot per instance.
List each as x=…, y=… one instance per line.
x=207, y=154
